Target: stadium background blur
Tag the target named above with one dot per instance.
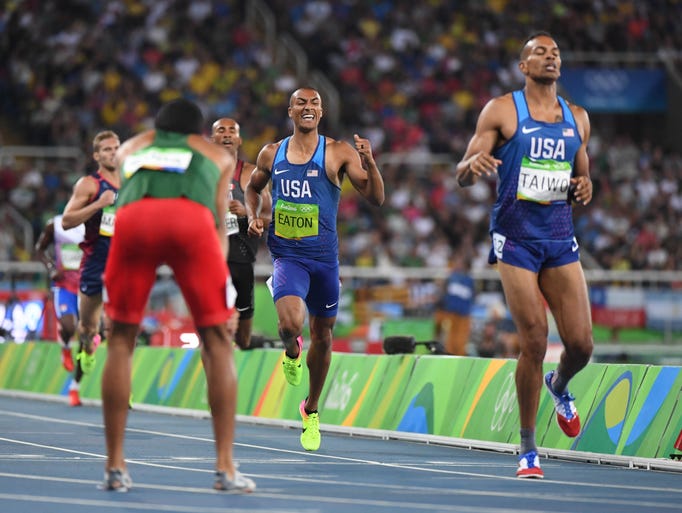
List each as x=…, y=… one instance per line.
x=410, y=77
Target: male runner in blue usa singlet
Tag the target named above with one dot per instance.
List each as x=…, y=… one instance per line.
x=536, y=144
x=306, y=170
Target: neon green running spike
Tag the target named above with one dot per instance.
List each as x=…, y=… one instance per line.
x=87, y=361
x=292, y=367
x=310, y=437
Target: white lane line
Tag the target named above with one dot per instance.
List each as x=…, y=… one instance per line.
x=139, y=506
x=309, y=455
x=396, y=504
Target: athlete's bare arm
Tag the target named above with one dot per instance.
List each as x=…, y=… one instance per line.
x=493, y=128
x=79, y=209
x=581, y=176
x=253, y=194
x=226, y=163
x=359, y=165
x=266, y=196
x=45, y=240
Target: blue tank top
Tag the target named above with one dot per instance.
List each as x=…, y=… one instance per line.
x=533, y=179
x=98, y=228
x=304, y=207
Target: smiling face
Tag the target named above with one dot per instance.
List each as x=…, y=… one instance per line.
x=305, y=109
x=541, y=60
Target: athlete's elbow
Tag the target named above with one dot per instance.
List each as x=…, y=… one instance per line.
x=68, y=223
x=376, y=198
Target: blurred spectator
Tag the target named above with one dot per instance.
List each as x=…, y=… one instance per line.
x=452, y=318
x=413, y=77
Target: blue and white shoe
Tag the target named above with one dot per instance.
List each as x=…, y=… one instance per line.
x=566, y=413
x=529, y=466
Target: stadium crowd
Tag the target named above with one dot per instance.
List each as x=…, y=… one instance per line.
x=412, y=78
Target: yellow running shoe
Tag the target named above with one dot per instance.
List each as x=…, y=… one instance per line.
x=87, y=361
x=310, y=437
x=292, y=367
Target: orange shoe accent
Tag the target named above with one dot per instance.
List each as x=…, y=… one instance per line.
x=74, y=398
x=67, y=359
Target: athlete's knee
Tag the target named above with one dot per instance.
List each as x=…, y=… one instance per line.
x=533, y=352
x=321, y=335
x=242, y=339
x=288, y=331
x=580, y=349
x=534, y=336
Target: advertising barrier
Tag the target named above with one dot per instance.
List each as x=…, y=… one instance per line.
x=625, y=409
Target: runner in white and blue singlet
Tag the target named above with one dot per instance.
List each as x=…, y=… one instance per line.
x=536, y=145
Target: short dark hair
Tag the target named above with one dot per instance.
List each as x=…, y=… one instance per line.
x=533, y=36
x=182, y=116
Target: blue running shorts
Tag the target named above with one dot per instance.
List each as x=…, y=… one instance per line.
x=65, y=302
x=533, y=255
x=316, y=282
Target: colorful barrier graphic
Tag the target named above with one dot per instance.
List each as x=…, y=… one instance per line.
x=632, y=410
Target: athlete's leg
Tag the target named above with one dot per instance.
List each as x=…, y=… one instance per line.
x=290, y=286
x=116, y=390
x=221, y=380
x=291, y=311
x=203, y=278
x=527, y=308
x=67, y=328
x=243, y=334
x=566, y=292
x=90, y=308
x=319, y=357
x=323, y=304
x=243, y=279
x=133, y=254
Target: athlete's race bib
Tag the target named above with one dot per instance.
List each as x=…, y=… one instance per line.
x=172, y=160
x=296, y=220
x=70, y=256
x=498, y=244
x=106, y=225
x=543, y=181
x=231, y=224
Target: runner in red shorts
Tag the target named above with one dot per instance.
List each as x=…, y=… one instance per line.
x=170, y=210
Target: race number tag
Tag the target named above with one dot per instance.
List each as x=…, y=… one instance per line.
x=231, y=224
x=296, y=220
x=70, y=256
x=173, y=160
x=106, y=225
x=543, y=181
x=498, y=244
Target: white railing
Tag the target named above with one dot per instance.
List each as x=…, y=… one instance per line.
x=671, y=279
x=51, y=152
x=18, y=225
